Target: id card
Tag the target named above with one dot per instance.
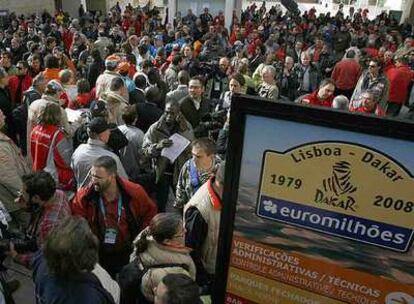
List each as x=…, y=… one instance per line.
x=216, y=85
x=110, y=236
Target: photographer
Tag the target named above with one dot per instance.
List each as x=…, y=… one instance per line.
x=46, y=205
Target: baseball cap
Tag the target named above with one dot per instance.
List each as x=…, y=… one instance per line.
x=112, y=61
x=54, y=85
x=98, y=125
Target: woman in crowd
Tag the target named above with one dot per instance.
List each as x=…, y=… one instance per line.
x=162, y=242
x=50, y=148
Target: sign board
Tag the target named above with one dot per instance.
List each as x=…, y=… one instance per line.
x=318, y=207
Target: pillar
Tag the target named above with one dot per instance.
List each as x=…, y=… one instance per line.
x=172, y=10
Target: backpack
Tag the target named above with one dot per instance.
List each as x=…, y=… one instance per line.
x=130, y=279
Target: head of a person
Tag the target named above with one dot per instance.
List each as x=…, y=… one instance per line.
x=177, y=59
x=39, y=83
x=153, y=76
x=140, y=81
x=35, y=63
x=340, y=102
x=289, y=63
x=402, y=60
x=6, y=59
x=196, y=88
x=51, y=62
x=373, y=67
x=177, y=288
x=236, y=83
x=50, y=115
x=203, y=151
x=408, y=42
x=111, y=62
x=38, y=189
x=129, y=115
x=123, y=68
x=66, y=77
x=99, y=129
x=22, y=68
x=103, y=173
x=224, y=64
x=50, y=42
x=326, y=89
x=388, y=55
x=171, y=112
x=299, y=45
x=4, y=78
x=71, y=248
x=368, y=101
x=54, y=89
x=269, y=74
x=351, y=54
x=165, y=228
x=305, y=58
x=187, y=51
x=183, y=77
x=83, y=86
x=57, y=52
x=117, y=85
x=152, y=95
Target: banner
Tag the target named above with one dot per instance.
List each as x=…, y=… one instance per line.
x=323, y=215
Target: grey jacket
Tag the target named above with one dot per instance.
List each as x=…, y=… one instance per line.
x=179, y=93
x=85, y=155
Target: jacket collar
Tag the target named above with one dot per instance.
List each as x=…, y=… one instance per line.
x=215, y=199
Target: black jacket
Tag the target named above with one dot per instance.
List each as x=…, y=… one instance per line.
x=7, y=108
x=136, y=96
x=194, y=116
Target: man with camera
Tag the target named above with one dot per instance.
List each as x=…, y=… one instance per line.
x=46, y=205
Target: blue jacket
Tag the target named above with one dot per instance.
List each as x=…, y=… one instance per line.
x=78, y=289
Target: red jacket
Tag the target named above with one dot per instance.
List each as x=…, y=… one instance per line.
x=40, y=141
x=138, y=209
x=313, y=99
x=16, y=93
x=400, y=79
x=346, y=74
x=377, y=111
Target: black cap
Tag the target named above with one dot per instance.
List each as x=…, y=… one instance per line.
x=98, y=125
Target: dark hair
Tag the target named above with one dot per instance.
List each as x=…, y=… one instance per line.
x=239, y=78
x=181, y=289
x=96, y=55
x=153, y=76
x=183, y=77
x=326, y=81
x=146, y=64
x=40, y=183
x=106, y=162
x=176, y=59
x=116, y=84
x=206, y=144
x=152, y=94
x=23, y=63
x=83, y=86
x=140, y=81
x=350, y=54
x=36, y=57
x=163, y=226
x=50, y=40
x=129, y=114
x=198, y=78
x=51, y=62
x=51, y=114
x=71, y=248
x=34, y=47
x=142, y=49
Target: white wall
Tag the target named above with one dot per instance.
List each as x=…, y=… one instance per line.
x=28, y=6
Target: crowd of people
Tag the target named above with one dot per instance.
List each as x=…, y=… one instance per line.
x=90, y=106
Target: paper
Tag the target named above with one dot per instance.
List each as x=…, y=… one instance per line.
x=74, y=115
x=178, y=146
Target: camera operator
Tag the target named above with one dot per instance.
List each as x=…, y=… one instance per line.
x=46, y=206
x=218, y=82
x=196, y=109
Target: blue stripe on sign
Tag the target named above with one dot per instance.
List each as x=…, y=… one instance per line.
x=351, y=227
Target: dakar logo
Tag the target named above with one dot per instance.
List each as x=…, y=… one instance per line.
x=336, y=190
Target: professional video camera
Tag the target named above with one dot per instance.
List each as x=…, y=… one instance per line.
x=22, y=243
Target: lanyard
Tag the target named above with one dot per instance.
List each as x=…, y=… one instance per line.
x=102, y=207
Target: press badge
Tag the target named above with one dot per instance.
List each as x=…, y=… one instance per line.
x=110, y=236
x=216, y=85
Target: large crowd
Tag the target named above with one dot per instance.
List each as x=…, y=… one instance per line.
x=114, y=131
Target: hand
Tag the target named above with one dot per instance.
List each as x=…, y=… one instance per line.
x=12, y=252
x=165, y=143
